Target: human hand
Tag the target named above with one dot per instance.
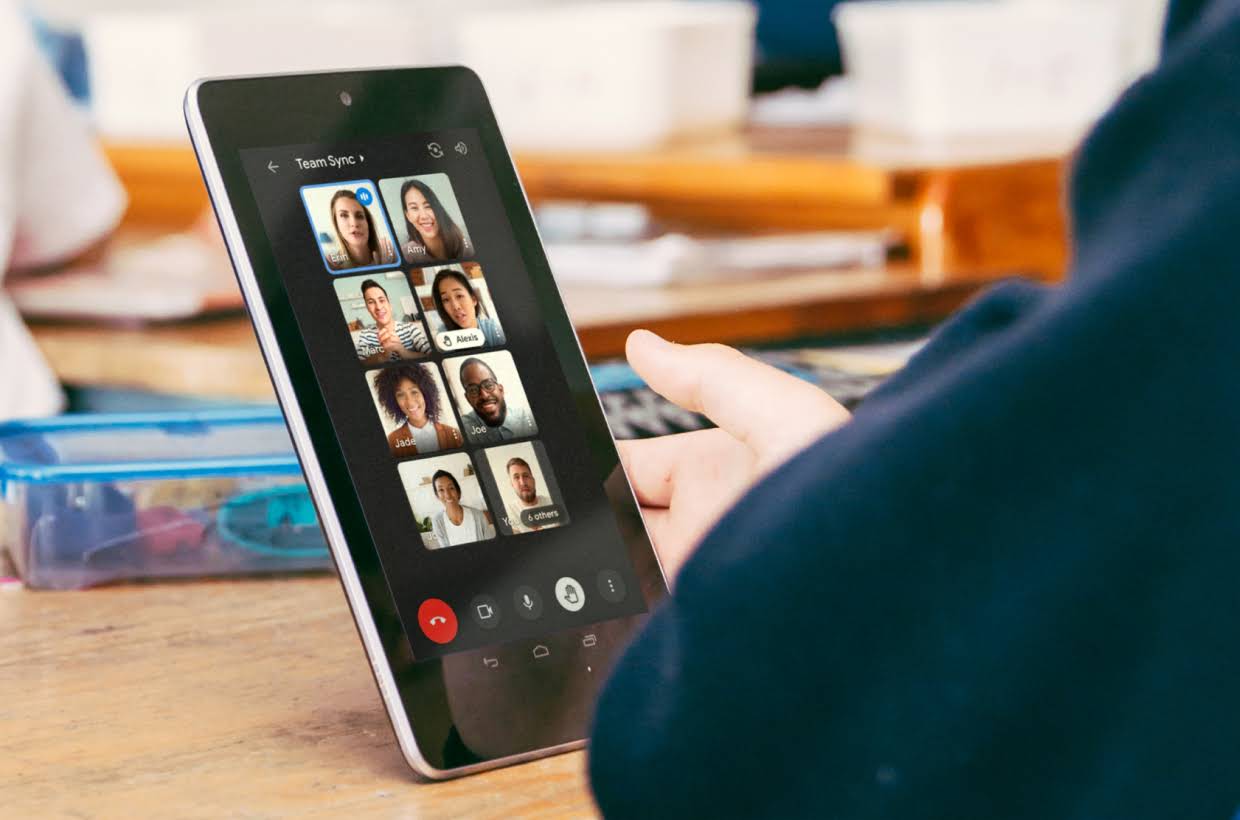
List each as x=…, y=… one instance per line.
x=686, y=482
x=389, y=340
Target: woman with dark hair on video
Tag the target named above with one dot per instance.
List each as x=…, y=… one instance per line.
x=459, y=307
x=409, y=396
x=360, y=244
x=430, y=232
x=456, y=523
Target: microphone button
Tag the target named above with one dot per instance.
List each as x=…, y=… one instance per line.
x=528, y=603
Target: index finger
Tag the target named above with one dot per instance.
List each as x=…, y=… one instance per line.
x=758, y=404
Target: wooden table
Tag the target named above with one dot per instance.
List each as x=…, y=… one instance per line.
x=249, y=698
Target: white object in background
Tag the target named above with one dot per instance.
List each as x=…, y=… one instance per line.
x=613, y=75
x=953, y=68
x=1140, y=26
x=141, y=62
x=831, y=103
x=676, y=259
x=57, y=197
x=177, y=276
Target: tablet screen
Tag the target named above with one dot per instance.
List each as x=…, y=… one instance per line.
x=443, y=385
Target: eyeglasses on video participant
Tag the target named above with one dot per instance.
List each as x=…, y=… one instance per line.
x=492, y=420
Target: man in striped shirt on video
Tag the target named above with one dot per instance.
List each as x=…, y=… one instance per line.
x=389, y=340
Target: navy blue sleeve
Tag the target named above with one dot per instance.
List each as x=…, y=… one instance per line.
x=1010, y=587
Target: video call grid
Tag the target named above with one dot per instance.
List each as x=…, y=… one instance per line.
x=436, y=357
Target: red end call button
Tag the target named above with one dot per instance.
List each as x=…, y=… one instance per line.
x=437, y=620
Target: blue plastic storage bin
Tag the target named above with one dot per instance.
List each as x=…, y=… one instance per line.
x=95, y=498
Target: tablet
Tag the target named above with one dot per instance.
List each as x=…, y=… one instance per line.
x=488, y=542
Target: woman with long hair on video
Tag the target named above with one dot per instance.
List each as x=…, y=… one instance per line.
x=430, y=232
x=360, y=244
x=409, y=396
x=460, y=308
x=456, y=523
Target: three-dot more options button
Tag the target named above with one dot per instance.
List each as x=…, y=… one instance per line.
x=611, y=586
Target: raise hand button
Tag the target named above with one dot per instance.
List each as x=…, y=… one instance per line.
x=569, y=593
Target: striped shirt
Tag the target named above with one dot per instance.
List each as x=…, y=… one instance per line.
x=411, y=335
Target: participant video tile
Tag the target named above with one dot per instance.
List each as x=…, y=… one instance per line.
x=427, y=218
x=520, y=480
x=349, y=226
x=447, y=502
x=490, y=398
x=381, y=313
x=458, y=306
x=413, y=408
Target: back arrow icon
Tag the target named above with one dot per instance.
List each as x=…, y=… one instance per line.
x=271, y=166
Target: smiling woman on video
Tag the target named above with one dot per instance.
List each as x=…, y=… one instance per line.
x=431, y=233
x=459, y=307
x=408, y=395
x=457, y=523
x=360, y=244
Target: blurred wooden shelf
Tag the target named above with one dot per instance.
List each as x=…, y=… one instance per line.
x=990, y=207
x=967, y=214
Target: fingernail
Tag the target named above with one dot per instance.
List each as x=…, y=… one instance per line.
x=643, y=336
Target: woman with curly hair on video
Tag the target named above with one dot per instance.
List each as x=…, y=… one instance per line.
x=410, y=397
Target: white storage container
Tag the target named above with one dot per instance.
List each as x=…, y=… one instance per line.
x=959, y=68
x=613, y=76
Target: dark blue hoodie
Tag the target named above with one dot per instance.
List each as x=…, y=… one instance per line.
x=1010, y=587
